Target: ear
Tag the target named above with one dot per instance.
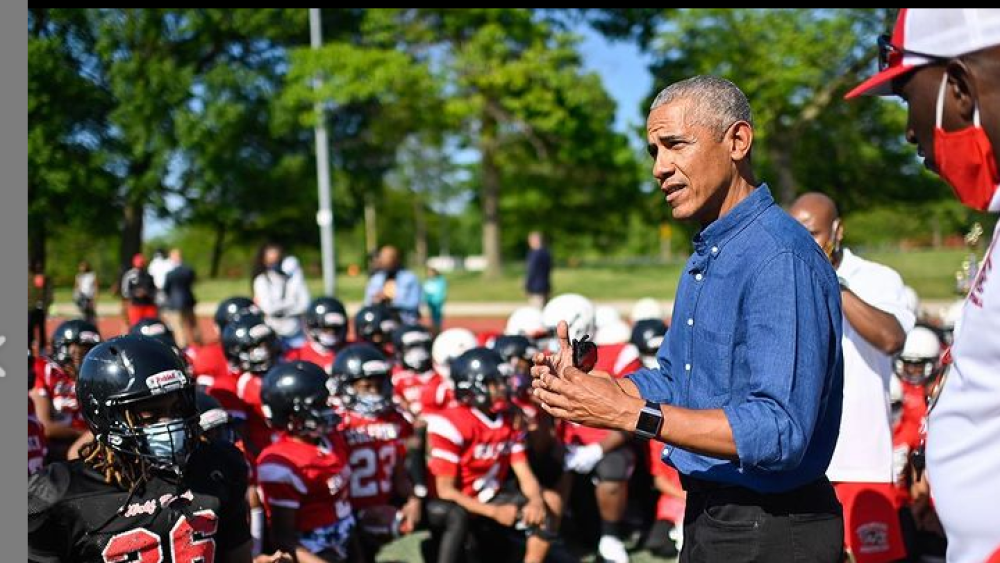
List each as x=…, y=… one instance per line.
x=838, y=230
x=740, y=139
x=962, y=88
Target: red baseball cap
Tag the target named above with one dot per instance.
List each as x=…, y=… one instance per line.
x=138, y=260
x=925, y=35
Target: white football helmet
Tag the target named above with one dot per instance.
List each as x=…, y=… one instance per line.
x=449, y=345
x=576, y=310
x=918, y=361
x=646, y=308
x=526, y=321
x=617, y=332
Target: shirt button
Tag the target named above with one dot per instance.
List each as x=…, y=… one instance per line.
x=690, y=322
x=698, y=277
x=715, y=250
x=687, y=367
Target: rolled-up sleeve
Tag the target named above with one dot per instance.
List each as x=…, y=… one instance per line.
x=654, y=384
x=790, y=328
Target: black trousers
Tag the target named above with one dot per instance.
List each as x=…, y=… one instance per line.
x=735, y=524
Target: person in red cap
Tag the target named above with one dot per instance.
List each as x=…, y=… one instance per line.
x=140, y=291
x=945, y=63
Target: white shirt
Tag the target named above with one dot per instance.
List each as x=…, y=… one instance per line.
x=283, y=299
x=963, y=440
x=159, y=268
x=864, y=448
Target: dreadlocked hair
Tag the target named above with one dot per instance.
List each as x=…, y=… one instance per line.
x=125, y=471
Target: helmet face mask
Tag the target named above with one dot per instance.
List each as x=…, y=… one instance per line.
x=165, y=443
x=480, y=376
x=363, y=379
x=326, y=323
x=250, y=345
x=412, y=346
x=916, y=371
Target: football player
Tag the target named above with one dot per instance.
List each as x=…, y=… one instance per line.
x=326, y=329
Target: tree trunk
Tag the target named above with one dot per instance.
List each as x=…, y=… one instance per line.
x=490, y=197
x=420, y=226
x=371, y=226
x=131, y=241
x=36, y=243
x=787, y=184
x=217, y=247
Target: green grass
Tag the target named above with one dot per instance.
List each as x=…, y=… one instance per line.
x=930, y=272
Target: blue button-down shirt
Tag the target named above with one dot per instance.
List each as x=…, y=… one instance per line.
x=756, y=332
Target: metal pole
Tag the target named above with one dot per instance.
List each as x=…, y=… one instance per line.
x=324, y=217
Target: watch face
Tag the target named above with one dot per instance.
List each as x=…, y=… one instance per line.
x=649, y=422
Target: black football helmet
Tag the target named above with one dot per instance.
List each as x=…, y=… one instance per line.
x=213, y=419
x=473, y=371
x=122, y=376
x=514, y=346
x=296, y=398
x=326, y=322
x=412, y=346
x=232, y=308
x=75, y=331
x=154, y=328
x=375, y=324
x=250, y=344
x=357, y=362
x=647, y=335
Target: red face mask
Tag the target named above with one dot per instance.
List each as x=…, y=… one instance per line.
x=965, y=159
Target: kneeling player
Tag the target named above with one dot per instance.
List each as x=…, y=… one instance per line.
x=472, y=446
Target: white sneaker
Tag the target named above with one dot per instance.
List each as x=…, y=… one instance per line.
x=612, y=549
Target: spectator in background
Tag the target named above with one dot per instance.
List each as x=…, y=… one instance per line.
x=159, y=266
x=39, y=300
x=537, y=280
x=140, y=291
x=394, y=285
x=435, y=294
x=180, y=301
x=85, y=292
x=279, y=289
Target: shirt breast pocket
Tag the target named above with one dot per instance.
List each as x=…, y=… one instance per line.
x=711, y=384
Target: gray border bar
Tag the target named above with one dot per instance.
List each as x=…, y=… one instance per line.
x=13, y=279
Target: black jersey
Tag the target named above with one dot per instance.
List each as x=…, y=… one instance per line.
x=75, y=516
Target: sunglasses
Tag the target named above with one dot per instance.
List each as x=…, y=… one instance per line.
x=891, y=55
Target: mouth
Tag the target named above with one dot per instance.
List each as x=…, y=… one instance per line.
x=671, y=189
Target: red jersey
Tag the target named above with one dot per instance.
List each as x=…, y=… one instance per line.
x=906, y=436
x=312, y=479
x=438, y=395
x=256, y=432
x=408, y=388
x=466, y=444
x=375, y=447
x=618, y=360
x=36, y=440
x=668, y=507
x=207, y=362
x=53, y=383
x=312, y=352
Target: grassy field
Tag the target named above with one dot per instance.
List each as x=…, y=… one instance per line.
x=930, y=272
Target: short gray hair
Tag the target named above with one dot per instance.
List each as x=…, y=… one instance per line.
x=718, y=103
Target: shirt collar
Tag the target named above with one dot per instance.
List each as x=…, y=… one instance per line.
x=723, y=229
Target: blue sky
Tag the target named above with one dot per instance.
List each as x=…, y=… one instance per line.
x=625, y=75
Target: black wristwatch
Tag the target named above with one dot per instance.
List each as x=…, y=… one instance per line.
x=650, y=421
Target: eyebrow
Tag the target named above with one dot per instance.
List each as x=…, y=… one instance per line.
x=672, y=138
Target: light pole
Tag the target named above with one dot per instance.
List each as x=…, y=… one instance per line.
x=324, y=217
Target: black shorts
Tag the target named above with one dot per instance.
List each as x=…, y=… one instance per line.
x=615, y=466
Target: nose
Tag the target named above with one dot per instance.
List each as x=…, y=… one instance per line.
x=663, y=166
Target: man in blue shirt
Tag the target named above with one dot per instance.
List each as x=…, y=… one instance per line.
x=395, y=286
x=747, y=395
